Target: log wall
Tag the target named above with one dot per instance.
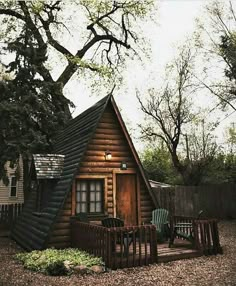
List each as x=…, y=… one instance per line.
x=108, y=136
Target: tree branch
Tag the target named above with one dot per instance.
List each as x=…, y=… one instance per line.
x=72, y=67
x=12, y=13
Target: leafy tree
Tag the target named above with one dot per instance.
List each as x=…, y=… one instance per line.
x=169, y=114
x=158, y=165
x=32, y=104
x=104, y=39
x=218, y=42
x=230, y=135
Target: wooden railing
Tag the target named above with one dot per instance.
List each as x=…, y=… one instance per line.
x=207, y=236
x=119, y=247
x=9, y=213
x=183, y=220
x=204, y=231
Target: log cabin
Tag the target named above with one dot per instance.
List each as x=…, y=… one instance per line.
x=94, y=168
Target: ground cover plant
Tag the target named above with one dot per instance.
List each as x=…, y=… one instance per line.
x=57, y=262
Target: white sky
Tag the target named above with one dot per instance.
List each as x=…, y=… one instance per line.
x=176, y=21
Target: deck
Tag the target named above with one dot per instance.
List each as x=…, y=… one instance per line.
x=112, y=243
x=180, y=250
x=141, y=255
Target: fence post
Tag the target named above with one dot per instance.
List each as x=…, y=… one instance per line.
x=153, y=246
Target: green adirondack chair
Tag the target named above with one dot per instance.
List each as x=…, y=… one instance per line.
x=160, y=220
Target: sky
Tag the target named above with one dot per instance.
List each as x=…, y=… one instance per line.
x=175, y=22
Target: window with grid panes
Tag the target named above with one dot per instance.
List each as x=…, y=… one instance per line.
x=13, y=186
x=89, y=196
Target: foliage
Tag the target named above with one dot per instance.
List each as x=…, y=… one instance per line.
x=158, y=165
x=170, y=117
x=217, y=40
x=51, y=261
x=32, y=104
x=221, y=170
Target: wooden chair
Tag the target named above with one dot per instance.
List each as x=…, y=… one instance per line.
x=117, y=222
x=83, y=217
x=184, y=230
x=112, y=222
x=160, y=220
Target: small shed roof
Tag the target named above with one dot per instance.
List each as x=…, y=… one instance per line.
x=155, y=184
x=48, y=166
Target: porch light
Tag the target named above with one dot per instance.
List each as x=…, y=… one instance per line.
x=108, y=155
x=123, y=166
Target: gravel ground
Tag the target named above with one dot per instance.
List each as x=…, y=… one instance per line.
x=213, y=270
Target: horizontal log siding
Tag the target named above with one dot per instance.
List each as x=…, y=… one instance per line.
x=146, y=204
x=5, y=198
x=108, y=136
x=61, y=233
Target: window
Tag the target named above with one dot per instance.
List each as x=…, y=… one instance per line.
x=13, y=186
x=89, y=196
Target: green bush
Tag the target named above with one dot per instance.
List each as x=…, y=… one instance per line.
x=51, y=261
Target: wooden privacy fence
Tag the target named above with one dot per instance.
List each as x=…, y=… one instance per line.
x=217, y=201
x=119, y=247
x=9, y=213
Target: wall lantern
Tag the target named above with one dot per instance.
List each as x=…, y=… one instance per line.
x=108, y=156
x=123, y=166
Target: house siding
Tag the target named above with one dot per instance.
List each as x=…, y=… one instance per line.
x=108, y=136
x=5, y=198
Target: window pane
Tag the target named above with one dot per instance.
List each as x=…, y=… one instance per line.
x=83, y=197
x=98, y=207
x=13, y=181
x=92, y=207
x=98, y=196
x=78, y=208
x=83, y=208
x=92, y=186
x=92, y=196
x=78, y=196
x=13, y=191
x=99, y=186
x=78, y=188
x=83, y=186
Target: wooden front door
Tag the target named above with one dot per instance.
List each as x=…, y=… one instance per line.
x=126, y=199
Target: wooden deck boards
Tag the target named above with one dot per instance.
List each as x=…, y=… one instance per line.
x=180, y=250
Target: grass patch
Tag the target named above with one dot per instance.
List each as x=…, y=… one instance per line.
x=52, y=261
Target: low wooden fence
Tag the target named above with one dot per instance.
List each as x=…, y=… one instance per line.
x=9, y=213
x=204, y=231
x=207, y=236
x=119, y=247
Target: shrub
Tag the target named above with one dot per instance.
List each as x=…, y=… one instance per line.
x=51, y=261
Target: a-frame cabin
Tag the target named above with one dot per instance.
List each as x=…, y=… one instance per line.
x=101, y=175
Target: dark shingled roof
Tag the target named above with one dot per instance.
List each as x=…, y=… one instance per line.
x=32, y=231
x=48, y=166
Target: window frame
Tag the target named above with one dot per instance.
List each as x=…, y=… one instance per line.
x=104, y=194
x=87, y=202
x=13, y=186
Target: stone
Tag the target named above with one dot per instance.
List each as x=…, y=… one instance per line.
x=97, y=269
x=81, y=269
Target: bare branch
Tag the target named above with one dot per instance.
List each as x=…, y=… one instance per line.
x=12, y=13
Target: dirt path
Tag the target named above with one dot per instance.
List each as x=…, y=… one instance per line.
x=213, y=270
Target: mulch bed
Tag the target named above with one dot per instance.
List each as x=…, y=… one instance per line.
x=216, y=270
